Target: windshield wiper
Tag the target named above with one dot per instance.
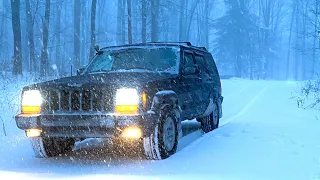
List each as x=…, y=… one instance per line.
x=139, y=68
x=98, y=71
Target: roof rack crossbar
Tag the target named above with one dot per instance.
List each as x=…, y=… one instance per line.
x=184, y=43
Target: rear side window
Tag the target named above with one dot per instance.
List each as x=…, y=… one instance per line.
x=188, y=60
x=201, y=63
x=212, y=68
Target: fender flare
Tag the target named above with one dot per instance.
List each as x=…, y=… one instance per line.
x=164, y=100
x=213, y=100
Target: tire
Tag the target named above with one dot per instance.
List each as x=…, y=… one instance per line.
x=210, y=122
x=44, y=147
x=163, y=142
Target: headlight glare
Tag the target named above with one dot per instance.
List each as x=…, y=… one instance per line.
x=31, y=102
x=127, y=97
x=127, y=101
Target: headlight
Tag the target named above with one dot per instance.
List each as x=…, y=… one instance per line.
x=127, y=101
x=31, y=102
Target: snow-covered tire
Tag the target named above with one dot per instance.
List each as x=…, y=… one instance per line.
x=163, y=142
x=44, y=147
x=210, y=122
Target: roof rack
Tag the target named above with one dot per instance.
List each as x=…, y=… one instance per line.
x=159, y=43
x=203, y=48
x=183, y=43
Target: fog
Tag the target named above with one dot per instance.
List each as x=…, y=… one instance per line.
x=269, y=39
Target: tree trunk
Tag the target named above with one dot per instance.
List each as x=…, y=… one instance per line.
x=181, y=21
x=129, y=22
x=304, y=34
x=32, y=61
x=194, y=7
x=84, y=32
x=119, y=22
x=93, y=28
x=58, y=41
x=206, y=24
x=144, y=20
x=154, y=20
x=2, y=30
x=77, y=19
x=297, y=45
x=123, y=22
x=314, y=58
x=289, y=45
x=44, y=52
x=17, y=58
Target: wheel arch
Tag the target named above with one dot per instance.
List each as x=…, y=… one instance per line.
x=214, y=99
x=165, y=99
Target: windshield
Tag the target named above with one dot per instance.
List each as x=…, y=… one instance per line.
x=136, y=59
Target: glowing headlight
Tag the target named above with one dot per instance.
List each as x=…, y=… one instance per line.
x=31, y=102
x=127, y=101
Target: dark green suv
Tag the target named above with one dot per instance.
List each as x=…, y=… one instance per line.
x=138, y=92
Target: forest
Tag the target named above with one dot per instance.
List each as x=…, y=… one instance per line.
x=254, y=39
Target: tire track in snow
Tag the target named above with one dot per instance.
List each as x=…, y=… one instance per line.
x=243, y=110
x=185, y=147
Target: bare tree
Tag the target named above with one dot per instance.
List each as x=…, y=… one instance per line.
x=2, y=27
x=93, y=28
x=155, y=5
x=181, y=20
x=123, y=22
x=58, y=36
x=289, y=45
x=32, y=61
x=119, y=21
x=129, y=22
x=315, y=24
x=44, y=52
x=17, y=58
x=77, y=19
x=144, y=21
x=206, y=24
x=304, y=40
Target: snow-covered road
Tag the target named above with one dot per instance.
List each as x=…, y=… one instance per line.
x=263, y=135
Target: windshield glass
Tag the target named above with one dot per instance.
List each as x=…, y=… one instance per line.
x=137, y=59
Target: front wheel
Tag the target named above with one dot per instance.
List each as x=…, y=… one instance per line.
x=163, y=142
x=45, y=147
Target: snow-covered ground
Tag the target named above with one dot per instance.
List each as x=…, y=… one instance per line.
x=263, y=135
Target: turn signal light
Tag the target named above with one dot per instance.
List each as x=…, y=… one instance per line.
x=31, y=109
x=127, y=109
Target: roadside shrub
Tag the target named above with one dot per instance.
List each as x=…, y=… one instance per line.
x=310, y=94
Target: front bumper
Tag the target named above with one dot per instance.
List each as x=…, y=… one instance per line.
x=86, y=125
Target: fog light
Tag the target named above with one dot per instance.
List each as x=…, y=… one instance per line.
x=33, y=132
x=132, y=132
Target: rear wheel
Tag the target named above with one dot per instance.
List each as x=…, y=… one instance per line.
x=210, y=122
x=45, y=147
x=163, y=142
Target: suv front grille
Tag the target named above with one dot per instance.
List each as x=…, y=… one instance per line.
x=77, y=100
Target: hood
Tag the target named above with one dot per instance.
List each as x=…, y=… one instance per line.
x=106, y=79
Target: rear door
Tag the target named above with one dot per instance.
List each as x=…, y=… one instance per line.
x=214, y=74
x=204, y=83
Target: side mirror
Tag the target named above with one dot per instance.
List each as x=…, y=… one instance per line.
x=80, y=71
x=191, y=70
